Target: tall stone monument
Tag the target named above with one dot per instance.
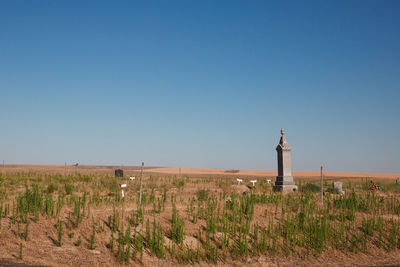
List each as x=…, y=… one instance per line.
x=284, y=181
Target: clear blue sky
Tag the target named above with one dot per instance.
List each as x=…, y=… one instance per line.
x=201, y=83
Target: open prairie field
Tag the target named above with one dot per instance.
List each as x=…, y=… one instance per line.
x=76, y=216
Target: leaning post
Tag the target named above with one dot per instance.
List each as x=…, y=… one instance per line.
x=322, y=187
x=140, y=191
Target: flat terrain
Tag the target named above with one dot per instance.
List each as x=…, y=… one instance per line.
x=303, y=174
x=193, y=216
x=94, y=169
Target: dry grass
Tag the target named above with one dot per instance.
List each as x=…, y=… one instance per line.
x=189, y=193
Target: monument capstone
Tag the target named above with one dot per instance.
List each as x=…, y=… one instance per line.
x=284, y=181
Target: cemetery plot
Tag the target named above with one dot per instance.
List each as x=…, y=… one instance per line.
x=84, y=219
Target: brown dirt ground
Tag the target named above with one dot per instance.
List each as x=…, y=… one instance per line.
x=41, y=251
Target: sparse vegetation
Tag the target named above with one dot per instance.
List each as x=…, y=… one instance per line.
x=20, y=256
x=310, y=187
x=202, y=194
x=211, y=223
x=92, y=238
x=58, y=242
x=78, y=242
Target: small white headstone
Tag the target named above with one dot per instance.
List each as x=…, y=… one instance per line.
x=239, y=181
x=132, y=178
x=122, y=185
x=122, y=193
x=253, y=182
x=269, y=181
x=337, y=186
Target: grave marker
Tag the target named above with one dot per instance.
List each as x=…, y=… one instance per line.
x=284, y=181
x=119, y=173
x=338, y=187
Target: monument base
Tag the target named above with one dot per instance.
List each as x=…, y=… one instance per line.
x=285, y=184
x=285, y=188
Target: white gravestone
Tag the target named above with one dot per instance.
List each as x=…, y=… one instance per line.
x=338, y=187
x=122, y=189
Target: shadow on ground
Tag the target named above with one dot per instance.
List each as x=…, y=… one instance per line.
x=9, y=263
